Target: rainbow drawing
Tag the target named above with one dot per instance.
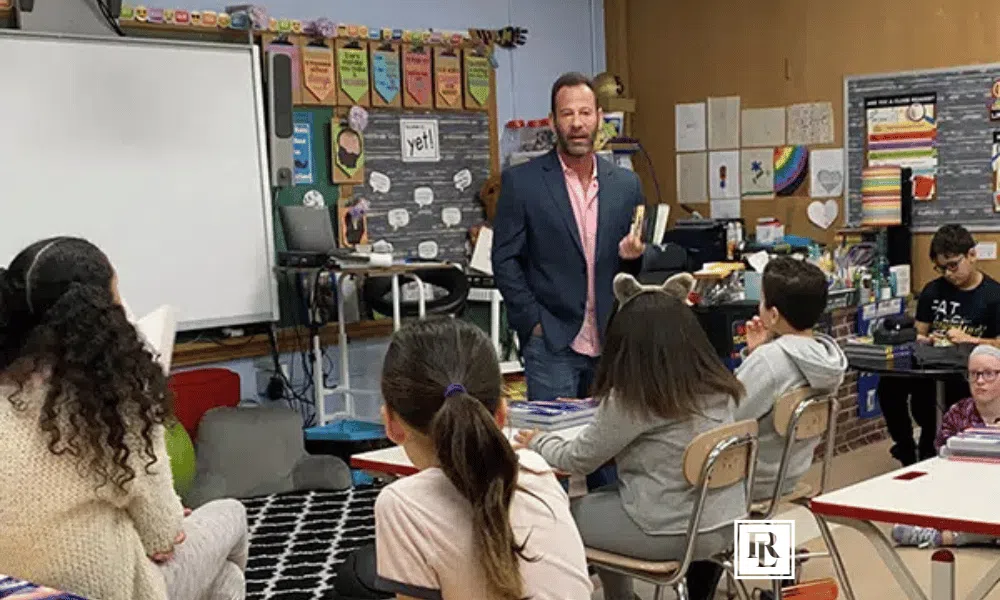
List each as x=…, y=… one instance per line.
x=791, y=167
x=881, y=196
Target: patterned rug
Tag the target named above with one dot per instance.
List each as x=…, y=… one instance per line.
x=298, y=540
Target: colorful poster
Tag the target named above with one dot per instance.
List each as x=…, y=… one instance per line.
x=385, y=74
x=995, y=163
x=353, y=66
x=477, y=77
x=348, y=148
x=417, y=77
x=448, y=78
x=791, y=167
x=902, y=132
x=317, y=66
x=302, y=149
x=881, y=196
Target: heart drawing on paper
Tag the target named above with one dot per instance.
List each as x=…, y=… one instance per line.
x=823, y=214
x=830, y=180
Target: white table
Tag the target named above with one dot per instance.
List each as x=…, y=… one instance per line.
x=945, y=494
x=393, y=461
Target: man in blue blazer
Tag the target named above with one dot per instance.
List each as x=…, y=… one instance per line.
x=561, y=234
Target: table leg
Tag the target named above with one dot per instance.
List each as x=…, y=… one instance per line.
x=395, y=302
x=421, y=296
x=838, y=562
x=345, y=370
x=943, y=575
x=986, y=584
x=495, y=321
x=886, y=552
x=940, y=399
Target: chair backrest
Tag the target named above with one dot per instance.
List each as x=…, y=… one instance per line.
x=814, y=418
x=732, y=464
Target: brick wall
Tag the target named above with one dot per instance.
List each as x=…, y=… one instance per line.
x=852, y=432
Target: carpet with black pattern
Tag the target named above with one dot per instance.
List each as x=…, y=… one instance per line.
x=298, y=540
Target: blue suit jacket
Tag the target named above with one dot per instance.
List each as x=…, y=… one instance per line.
x=538, y=260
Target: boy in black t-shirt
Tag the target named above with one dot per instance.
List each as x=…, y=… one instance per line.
x=963, y=307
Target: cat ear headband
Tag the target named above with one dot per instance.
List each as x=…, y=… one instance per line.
x=679, y=286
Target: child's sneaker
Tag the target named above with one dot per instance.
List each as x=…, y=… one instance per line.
x=921, y=537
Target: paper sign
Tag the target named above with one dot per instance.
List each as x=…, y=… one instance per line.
x=319, y=75
x=417, y=78
x=386, y=76
x=352, y=67
x=462, y=179
x=986, y=250
x=447, y=78
x=419, y=140
x=379, y=182
x=427, y=250
x=398, y=217
x=423, y=196
x=477, y=80
x=302, y=149
x=347, y=152
x=451, y=216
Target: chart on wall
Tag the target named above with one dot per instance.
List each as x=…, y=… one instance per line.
x=423, y=170
x=937, y=123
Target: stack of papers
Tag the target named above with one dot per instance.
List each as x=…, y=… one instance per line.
x=551, y=415
x=862, y=348
x=975, y=442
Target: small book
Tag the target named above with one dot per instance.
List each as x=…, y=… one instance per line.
x=157, y=330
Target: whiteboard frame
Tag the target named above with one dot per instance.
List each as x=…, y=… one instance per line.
x=935, y=71
x=267, y=200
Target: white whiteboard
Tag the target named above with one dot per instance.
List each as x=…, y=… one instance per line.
x=153, y=150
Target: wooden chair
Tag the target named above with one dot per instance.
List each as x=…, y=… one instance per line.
x=715, y=459
x=799, y=415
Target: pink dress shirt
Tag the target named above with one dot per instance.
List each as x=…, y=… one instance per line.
x=584, y=203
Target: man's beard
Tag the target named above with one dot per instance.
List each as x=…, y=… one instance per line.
x=564, y=144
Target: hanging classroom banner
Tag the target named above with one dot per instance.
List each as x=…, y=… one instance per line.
x=447, y=78
x=347, y=153
x=386, y=76
x=477, y=80
x=274, y=46
x=902, y=132
x=302, y=149
x=352, y=71
x=417, y=83
x=319, y=78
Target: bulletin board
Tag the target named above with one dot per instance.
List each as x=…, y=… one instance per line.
x=424, y=205
x=964, y=144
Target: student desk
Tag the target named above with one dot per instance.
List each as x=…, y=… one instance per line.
x=393, y=461
x=905, y=368
x=945, y=494
x=340, y=274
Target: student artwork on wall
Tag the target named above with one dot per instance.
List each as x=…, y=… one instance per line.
x=810, y=123
x=791, y=167
x=689, y=124
x=347, y=153
x=902, y=132
x=386, y=76
x=724, y=123
x=826, y=169
x=724, y=175
x=757, y=173
x=319, y=79
x=447, y=78
x=417, y=77
x=692, y=177
x=352, y=215
x=352, y=73
x=763, y=127
x=477, y=79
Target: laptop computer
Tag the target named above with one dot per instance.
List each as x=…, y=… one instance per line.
x=308, y=229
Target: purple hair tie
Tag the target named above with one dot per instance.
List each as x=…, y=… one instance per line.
x=455, y=388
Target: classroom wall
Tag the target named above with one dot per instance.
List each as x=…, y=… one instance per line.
x=780, y=52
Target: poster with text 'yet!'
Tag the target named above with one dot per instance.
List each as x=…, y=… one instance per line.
x=902, y=132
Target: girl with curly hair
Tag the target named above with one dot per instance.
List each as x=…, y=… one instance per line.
x=89, y=505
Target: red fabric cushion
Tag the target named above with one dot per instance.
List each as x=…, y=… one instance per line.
x=198, y=391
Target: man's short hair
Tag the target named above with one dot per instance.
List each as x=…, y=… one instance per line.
x=572, y=79
x=797, y=288
x=951, y=240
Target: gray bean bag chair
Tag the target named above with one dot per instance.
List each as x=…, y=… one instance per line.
x=244, y=452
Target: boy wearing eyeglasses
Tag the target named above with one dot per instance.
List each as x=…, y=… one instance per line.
x=960, y=307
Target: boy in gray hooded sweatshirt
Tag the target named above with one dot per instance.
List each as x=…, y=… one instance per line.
x=782, y=354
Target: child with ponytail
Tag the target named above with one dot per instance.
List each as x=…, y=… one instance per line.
x=479, y=520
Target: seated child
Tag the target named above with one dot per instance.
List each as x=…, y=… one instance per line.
x=782, y=354
x=91, y=507
x=660, y=384
x=981, y=410
x=479, y=520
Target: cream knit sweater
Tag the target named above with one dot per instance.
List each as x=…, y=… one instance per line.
x=58, y=530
